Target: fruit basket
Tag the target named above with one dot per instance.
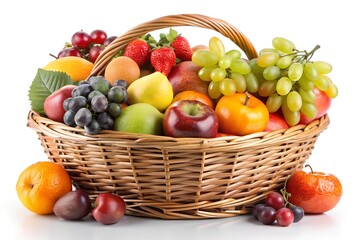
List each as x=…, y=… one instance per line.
x=178, y=178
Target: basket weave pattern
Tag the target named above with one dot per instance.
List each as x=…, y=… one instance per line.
x=178, y=178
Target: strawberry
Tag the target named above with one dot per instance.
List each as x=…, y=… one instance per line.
x=182, y=48
x=163, y=59
x=138, y=50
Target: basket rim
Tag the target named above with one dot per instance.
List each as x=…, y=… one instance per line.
x=41, y=123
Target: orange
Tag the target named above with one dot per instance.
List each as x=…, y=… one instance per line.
x=193, y=95
x=77, y=68
x=123, y=68
x=41, y=184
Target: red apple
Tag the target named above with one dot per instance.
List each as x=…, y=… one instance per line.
x=190, y=118
x=322, y=103
x=276, y=121
x=184, y=76
x=109, y=208
x=53, y=105
x=314, y=192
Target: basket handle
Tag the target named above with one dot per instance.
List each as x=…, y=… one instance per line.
x=195, y=20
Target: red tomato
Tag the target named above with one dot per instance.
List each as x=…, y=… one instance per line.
x=314, y=192
x=322, y=103
x=276, y=121
x=241, y=114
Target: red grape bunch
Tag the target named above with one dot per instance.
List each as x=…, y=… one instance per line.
x=85, y=45
x=276, y=209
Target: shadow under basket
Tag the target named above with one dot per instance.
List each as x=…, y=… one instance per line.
x=178, y=178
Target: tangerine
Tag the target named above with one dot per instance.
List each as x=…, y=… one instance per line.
x=41, y=184
x=123, y=68
x=77, y=68
x=194, y=95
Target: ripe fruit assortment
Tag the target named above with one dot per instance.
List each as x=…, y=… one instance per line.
x=167, y=88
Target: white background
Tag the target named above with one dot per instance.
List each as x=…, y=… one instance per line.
x=30, y=30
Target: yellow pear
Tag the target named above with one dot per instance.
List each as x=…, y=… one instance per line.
x=154, y=89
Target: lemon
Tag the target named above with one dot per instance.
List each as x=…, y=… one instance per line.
x=77, y=68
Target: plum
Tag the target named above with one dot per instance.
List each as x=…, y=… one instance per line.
x=74, y=205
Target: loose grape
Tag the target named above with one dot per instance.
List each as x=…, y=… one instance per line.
x=309, y=110
x=202, y=58
x=292, y=118
x=283, y=86
x=69, y=118
x=267, y=215
x=267, y=59
x=307, y=96
x=271, y=73
x=216, y=46
x=105, y=121
x=93, y=94
x=83, y=117
x=225, y=61
x=118, y=94
x=214, y=90
x=83, y=90
x=257, y=208
x=294, y=101
x=322, y=82
x=218, y=74
x=121, y=83
x=240, y=66
x=332, y=91
x=66, y=103
x=204, y=73
x=310, y=71
x=274, y=102
x=306, y=83
x=99, y=103
x=93, y=127
x=298, y=212
x=114, y=109
x=284, y=217
x=284, y=62
x=322, y=67
x=254, y=67
x=81, y=40
x=252, y=83
x=265, y=50
x=295, y=71
x=275, y=200
x=227, y=87
x=76, y=103
x=283, y=45
x=234, y=54
x=98, y=36
x=267, y=88
x=240, y=82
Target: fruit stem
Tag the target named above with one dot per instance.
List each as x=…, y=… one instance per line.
x=285, y=194
x=308, y=165
x=247, y=99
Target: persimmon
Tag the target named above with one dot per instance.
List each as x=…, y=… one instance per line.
x=315, y=192
x=241, y=114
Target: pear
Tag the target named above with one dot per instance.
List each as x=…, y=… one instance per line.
x=154, y=89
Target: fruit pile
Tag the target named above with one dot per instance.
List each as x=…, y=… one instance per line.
x=185, y=91
x=166, y=87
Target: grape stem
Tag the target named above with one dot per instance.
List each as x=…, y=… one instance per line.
x=303, y=56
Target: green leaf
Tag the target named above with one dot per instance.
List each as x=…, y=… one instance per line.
x=44, y=84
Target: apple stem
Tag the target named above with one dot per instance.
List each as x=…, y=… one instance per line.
x=247, y=99
x=308, y=165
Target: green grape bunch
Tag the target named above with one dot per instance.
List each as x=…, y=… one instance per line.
x=287, y=78
x=226, y=72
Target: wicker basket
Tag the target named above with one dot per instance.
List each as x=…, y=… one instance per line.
x=178, y=178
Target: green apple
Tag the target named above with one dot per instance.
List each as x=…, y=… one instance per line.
x=140, y=118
